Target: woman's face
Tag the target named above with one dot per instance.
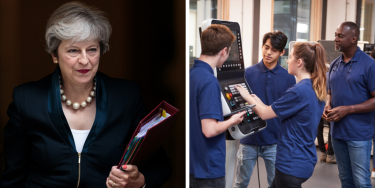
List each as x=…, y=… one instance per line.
x=292, y=63
x=78, y=61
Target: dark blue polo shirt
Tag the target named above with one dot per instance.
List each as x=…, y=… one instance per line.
x=352, y=83
x=268, y=85
x=207, y=155
x=300, y=112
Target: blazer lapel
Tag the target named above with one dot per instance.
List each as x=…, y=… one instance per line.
x=55, y=110
x=58, y=118
x=101, y=112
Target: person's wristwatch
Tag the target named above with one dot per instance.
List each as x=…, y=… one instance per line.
x=144, y=186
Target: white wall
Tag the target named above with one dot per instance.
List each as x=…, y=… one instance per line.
x=336, y=10
x=264, y=23
x=193, y=31
x=242, y=11
x=203, y=13
x=235, y=11
x=248, y=27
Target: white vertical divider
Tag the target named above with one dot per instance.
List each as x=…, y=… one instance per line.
x=247, y=31
x=200, y=18
x=336, y=10
x=265, y=22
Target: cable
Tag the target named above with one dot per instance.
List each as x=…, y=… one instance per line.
x=256, y=144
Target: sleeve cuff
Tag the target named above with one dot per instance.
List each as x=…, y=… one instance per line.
x=276, y=112
x=211, y=116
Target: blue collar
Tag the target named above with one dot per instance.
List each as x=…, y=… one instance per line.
x=275, y=70
x=305, y=81
x=199, y=63
x=355, y=58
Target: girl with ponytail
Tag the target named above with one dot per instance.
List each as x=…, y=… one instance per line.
x=300, y=109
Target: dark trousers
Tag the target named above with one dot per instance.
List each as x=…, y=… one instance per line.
x=207, y=183
x=283, y=180
x=322, y=146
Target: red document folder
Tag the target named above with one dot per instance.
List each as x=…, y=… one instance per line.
x=154, y=136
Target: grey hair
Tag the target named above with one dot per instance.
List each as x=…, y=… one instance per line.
x=77, y=22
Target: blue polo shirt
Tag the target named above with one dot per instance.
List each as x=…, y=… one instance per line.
x=207, y=155
x=352, y=83
x=299, y=111
x=268, y=85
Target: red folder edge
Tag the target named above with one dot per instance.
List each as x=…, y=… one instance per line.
x=154, y=136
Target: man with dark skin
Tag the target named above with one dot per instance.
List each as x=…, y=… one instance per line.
x=350, y=106
x=373, y=138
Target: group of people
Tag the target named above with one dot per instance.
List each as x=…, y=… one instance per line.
x=61, y=129
x=71, y=128
x=293, y=102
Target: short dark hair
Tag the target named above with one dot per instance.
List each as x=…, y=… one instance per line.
x=373, y=54
x=352, y=26
x=215, y=38
x=278, y=39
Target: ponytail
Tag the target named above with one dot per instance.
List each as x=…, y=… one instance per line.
x=314, y=60
x=318, y=77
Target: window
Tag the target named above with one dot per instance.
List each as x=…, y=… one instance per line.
x=292, y=17
x=199, y=10
x=366, y=21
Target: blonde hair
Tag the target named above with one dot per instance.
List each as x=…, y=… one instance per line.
x=314, y=58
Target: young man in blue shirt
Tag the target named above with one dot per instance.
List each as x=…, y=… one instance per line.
x=207, y=138
x=269, y=81
x=350, y=107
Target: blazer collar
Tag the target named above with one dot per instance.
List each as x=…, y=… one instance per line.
x=58, y=117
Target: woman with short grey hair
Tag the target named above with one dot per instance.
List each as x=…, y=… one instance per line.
x=77, y=23
x=70, y=128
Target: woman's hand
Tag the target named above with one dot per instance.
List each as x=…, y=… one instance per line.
x=129, y=178
x=245, y=94
x=256, y=98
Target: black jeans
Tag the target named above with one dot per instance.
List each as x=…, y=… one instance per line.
x=282, y=180
x=206, y=183
x=322, y=146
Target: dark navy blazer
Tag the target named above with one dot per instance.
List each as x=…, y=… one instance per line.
x=39, y=148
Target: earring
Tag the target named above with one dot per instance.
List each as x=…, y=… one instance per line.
x=55, y=61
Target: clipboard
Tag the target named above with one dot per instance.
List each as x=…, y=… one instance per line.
x=147, y=147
